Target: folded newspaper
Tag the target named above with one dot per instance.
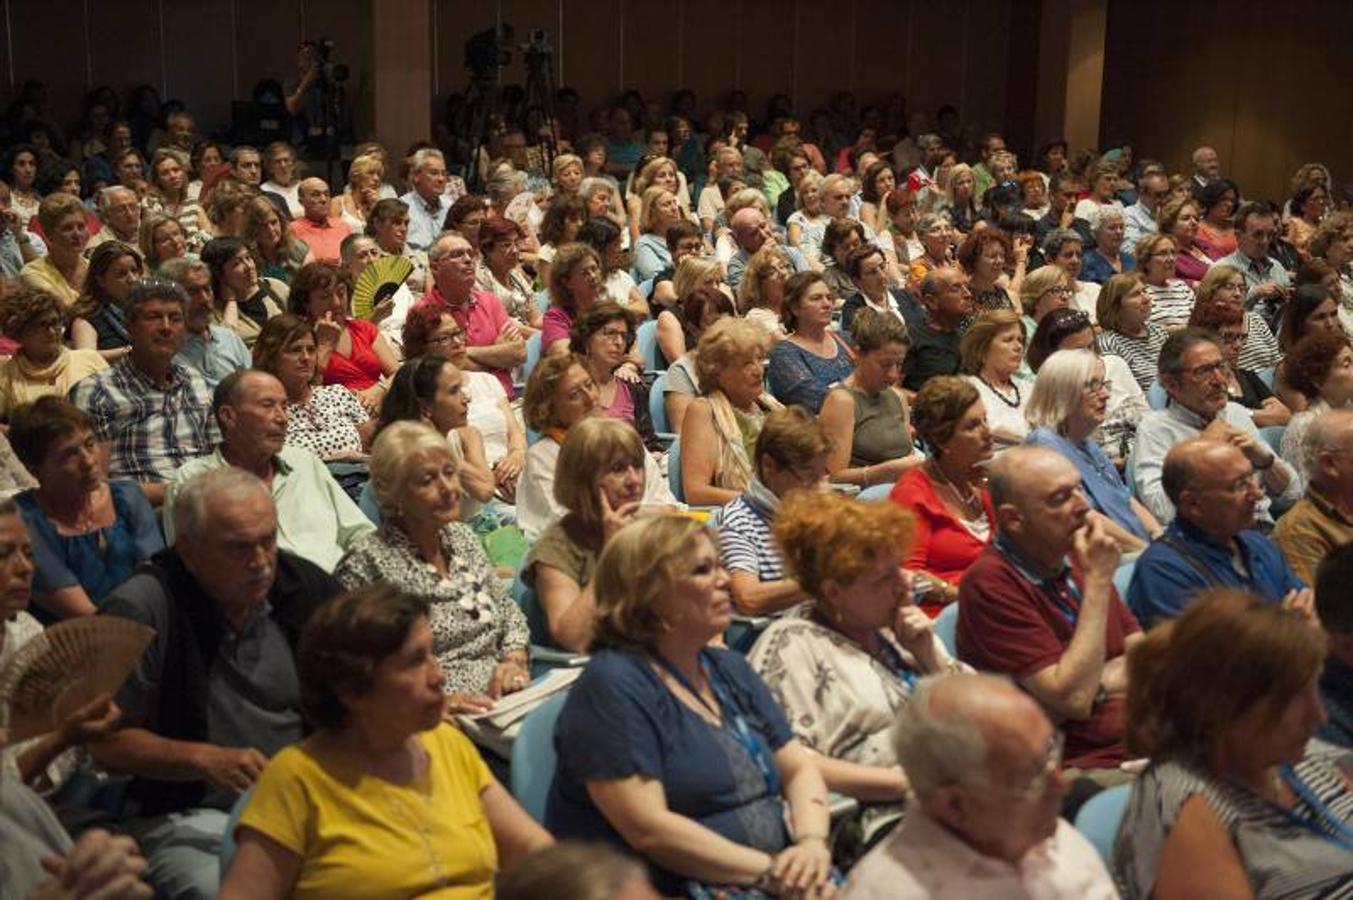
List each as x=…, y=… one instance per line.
x=497, y=728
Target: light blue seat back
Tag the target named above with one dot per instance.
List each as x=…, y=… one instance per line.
x=674, y=471
x=226, y=852
x=657, y=407
x=534, y=759
x=946, y=628
x=1156, y=397
x=875, y=492
x=532, y=356
x=646, y=340
x=1100, y=817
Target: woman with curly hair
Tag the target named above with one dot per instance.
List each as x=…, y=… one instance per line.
x=352, y=352
x=42, y=365
x=863, y=635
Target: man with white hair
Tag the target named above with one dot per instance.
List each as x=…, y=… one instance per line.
x=120, y=211
x=428, y=203
x=216, y=693
x=1206, y=167
x=1323, y=518
x=984, y=765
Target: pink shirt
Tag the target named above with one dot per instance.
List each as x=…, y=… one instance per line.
x=323, y=240
x=922, y=858
x=483, y=319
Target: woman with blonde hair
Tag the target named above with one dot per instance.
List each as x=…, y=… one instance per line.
x=599, y=482
x=761, y=295
x=719, y=429
x=678, y=333
x=658, y=211
x=653, y=171
x=1225, y=285
x=363, y=191
x=674, y=748
x=1172, y=299
x=961, y=198
x=566, y=174
x=863, y=635
x=807, y=225
x=160, y=240
x=559, y=395
x=1224, y=700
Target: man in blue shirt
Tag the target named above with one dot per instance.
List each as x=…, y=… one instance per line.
x=1334, y=606
x=428, y=203
x=1211, y=542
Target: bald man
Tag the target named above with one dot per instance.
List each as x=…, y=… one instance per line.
x=1212, y=540
x=1206, y=166
x=1039, y=605
x=321, y=232
x=752, y=231
x=986, y=784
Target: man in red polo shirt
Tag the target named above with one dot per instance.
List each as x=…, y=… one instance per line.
x=495, y=342
x=1039, y=605
x=320, y=231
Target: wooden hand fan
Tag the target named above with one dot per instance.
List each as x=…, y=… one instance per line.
x=66, y=667
x=378, y=281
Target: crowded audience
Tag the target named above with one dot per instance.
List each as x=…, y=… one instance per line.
x=370, y=447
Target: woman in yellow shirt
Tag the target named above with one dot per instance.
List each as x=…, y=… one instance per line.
x=62, y=270
x=42, y=365
x=385, y=799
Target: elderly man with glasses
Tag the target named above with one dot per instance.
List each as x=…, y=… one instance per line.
x=1194, y=374
x=984, y=764
x=1212, y=542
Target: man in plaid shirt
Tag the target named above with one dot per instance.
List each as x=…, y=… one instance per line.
x=152, y=413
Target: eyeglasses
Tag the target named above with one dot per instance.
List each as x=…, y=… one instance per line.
x=48, y=323
x=1095, y=385
x=1242, y=485
x=615, y=334
x=1202, y=373
x=1037, y=786
x=1234, y=338
x=443, y=340
x=1058, y=291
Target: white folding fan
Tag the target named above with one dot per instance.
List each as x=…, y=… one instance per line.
x=66, y=667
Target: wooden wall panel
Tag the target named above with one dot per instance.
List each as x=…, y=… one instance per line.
x=650, y=46
x=821, y=53
x=881, y=39
x=125, y=44
x=1269, y=95
x=709, y=49
x=592, y=60
x=49, y=44
x=937, y=50
x=200, y=72
x=765, y=49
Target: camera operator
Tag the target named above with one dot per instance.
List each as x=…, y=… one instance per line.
x=310, y=99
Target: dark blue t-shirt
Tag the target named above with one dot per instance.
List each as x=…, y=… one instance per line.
x=620, y=719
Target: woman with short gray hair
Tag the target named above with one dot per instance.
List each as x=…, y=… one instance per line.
x=1106, y=258
x=1068, y=404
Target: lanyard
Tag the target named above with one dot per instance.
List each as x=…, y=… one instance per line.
x=893, y=660
x=1059, y=587
x=753, y=743
x=1325, y=823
